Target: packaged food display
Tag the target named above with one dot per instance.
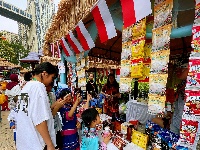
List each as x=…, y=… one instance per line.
x=157, y=83
x=139, y=139
x=163, y=13
x=125, y=84
x=156, y=104
x=161, y=38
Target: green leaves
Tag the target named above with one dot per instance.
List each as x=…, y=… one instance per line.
x=13, y=51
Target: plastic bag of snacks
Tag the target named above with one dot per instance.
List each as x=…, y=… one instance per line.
x=126, y=51
x=196, y=38
x=159, y=61
x=125, y=68
x=137, y=68
x=147, y=50
x=161, y=38
x=126, y=34
x=157, y=83
x=163, y=13
x=138, y=47
x=156, y=104
x=188, y=131
x=125, y=84
x=139, y=28
x=139, y=139
x=3, y=98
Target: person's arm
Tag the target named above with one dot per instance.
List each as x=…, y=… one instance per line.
x=89, y=97
x=73, y=109
x=56, y=106
x=87, y=87
x=103, y=91
x=43, y=130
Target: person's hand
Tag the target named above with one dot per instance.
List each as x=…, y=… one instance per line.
x=79, y=98
x=78, y=125
x=13, y=127
x=106, y=139
x=59, y=103
x=89, y=97
x=169, y=114
x=50, y=147
x=106, y=95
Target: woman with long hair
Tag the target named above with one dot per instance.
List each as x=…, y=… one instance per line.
x=111, y=91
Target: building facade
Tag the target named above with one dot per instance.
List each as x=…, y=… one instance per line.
x=42, y=12
x=9, y=36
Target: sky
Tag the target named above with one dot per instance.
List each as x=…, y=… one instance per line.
x=10, y=25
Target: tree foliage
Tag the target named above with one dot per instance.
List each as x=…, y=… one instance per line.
x=13, y=51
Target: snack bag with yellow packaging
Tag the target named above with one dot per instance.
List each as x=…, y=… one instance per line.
x=126, y=51
x=161, y=38
x=156, y=104
x=137, y=68
x=147, y=50
x=139, y=139
x=139, y=28
x=125, y=84
x=163, y=13
x=138, y=47
x=159, y=61
x=125, y=68
x=157, y=83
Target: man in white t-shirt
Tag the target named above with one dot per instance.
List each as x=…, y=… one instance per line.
x=33, y=109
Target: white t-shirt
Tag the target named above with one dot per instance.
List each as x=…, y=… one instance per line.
x=33, y=108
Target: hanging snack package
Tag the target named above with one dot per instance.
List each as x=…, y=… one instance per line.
x=157, y=83
x=192, y=104
x=196, y=38
x=146, y=70
x=137, y=68
x=156, y=104
x=163, y=13
x=161, y=38
x=193, y=78
x=83, y=62
x=125, y=84
x=126, y=51
x=125, y=69
x=147, y=50
x=188, y=131
x=159, y=61
x=138, y=47
x=139, y=28
x=197, y=11
x=126, y=34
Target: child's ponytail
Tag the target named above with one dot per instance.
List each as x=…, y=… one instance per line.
x=88, y=116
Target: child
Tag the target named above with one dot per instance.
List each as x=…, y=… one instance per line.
x=55, y=106
x=90, y=139
x=69, y=120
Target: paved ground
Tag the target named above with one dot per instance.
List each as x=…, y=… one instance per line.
x=6, y=134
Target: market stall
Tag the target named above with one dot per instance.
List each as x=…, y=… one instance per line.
x=148, y=49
